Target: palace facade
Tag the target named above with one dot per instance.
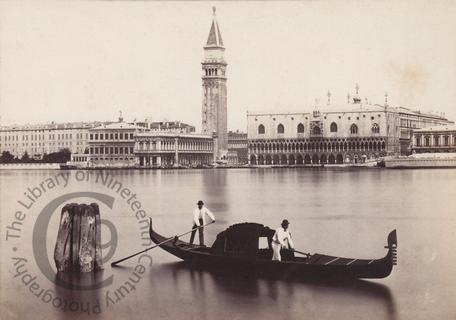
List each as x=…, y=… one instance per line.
x=352, y=133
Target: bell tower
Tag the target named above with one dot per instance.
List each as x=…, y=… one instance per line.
x=214, y=109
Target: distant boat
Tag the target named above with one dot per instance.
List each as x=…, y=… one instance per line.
x=64, y=166
x=237, y=248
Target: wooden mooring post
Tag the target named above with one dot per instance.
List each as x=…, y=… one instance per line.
x=78, y=246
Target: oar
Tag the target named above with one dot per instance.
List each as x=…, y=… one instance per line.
x=158, y=244
x=306, y=254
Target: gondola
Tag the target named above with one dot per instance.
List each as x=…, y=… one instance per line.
x=237, y=248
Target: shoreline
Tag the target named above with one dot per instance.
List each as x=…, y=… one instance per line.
x=66, y=167
x=390, y=164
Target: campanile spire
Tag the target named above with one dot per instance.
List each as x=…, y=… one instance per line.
x=215, y=37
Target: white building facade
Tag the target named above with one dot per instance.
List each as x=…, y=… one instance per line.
x=38, y=140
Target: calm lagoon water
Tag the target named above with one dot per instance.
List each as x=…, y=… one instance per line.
x=333, y=211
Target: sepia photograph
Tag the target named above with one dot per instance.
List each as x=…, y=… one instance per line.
x=227, y=160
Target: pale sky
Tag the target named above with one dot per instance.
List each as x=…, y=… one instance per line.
x=84, y=61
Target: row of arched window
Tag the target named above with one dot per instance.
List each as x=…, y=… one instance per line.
x=375, y=129
x=300, y=159
x=350, y=145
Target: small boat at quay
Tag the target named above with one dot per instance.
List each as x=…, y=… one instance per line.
x=237, y=249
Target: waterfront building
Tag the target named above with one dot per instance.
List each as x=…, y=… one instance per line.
x=351, y=133
x=413, y=120
x=167, y=149
x=131, y=145
x=237, y=148
x=40, y=139
x=214, y=108
x=112, y=145
x=434, y=139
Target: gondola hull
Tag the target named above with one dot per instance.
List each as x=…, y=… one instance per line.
x=316, y=265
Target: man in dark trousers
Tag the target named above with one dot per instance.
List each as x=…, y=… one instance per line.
x=199, y=220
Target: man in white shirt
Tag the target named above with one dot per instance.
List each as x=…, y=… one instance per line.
x=281, y=239
x=199, y=219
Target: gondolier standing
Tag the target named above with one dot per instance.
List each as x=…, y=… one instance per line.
x=281, y=239
x=199, y=220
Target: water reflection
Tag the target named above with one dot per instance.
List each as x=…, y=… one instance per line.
x=215, y=185
x=75, y=280
x=71, y=302
x=288, y=296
